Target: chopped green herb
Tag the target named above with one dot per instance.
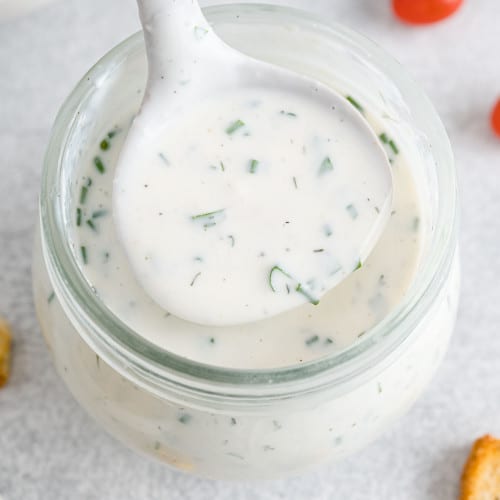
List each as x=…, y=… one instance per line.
x=306, y=294
x=387, y=140
x=295, y=183
x=97, y=361
x=273, y=270
x=51, y=297
x=195, y=278
x=383, y=137
x=83, y=251
x=99, y=213
x=353, y=212
x=235, y=455
x=253, y=166
x=355, y=103
x=113, y=132
x=231, y=237
x=327, y=230
x=208, y=218
x=91, y=224
x=318, y=250
x=312, y=340
x=212, y=340
x=359, y=265
x=184, y=418
x=83, y=194
x=207, y=214
x=361, y=334
x=326, y=166
x=78, y=216
x=233, y=421
x=393, y=146
x=104, y=145
x=99, y=165
x=233, y=127
x=328, y=340
x=222, y=166
x=288, y=113
x=277, y=426
x=163, y=158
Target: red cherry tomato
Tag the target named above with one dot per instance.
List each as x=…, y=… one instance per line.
x=424, y=11
x=495, y=118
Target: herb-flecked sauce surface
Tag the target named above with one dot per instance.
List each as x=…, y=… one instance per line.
x=341, y=318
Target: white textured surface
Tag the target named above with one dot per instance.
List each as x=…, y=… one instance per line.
x=50, y=449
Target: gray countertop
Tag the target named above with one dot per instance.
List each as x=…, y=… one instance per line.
x=50, y=449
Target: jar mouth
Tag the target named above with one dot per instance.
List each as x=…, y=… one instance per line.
x=111, y=338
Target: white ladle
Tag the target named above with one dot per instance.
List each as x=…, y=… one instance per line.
x=189, y=67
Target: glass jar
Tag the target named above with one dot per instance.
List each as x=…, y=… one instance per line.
x=241, y=424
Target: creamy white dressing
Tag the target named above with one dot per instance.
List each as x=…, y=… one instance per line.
x=255, y=203
x=308, y=332
x=242, y=190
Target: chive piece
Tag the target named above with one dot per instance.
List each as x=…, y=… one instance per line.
x=163, y=158
x=104, y=145
x=51, y=297
x=312, y=340
x=393, y=146
x=208, y=218
x=306, y=294
x=207, y=214
x=359, y=265
x=78, y=216
x=328, y=340
x=253, y=166
x=351, y=209
x=222, y=166
x=326, y=166
x=212, y=340
x=233, y=127
x=318, y=250
x=355, y=103
x=288, y=113
x=273, y=270
x=113, y=132
x=327, y=230
x=390, y=142
x=91, y=224
x=99, y=213
x=83, y=251
x=99, y=165
x=184, y=418
x=231, y=237
x=83, y=194
x=361, y=334
x=383, y=137
x=195, y=278
x=295, y=183
x=233, y=421
x=97, y=360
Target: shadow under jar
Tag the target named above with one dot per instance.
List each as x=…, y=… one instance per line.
x=226, y=422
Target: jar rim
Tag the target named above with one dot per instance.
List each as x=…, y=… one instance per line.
x=112, y=338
